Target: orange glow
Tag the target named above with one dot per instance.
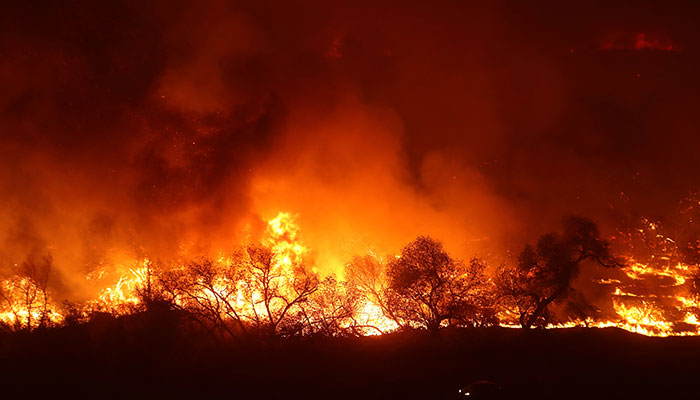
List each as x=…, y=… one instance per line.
x=668, y=312
x=639, y=42
x=25, y=305
x=230, y=161
x=122, y=297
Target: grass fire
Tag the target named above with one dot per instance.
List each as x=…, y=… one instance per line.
x=349, y=200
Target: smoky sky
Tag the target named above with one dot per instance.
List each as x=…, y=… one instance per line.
x=150, y=125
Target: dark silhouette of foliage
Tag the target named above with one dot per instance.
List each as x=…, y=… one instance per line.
x=275, y=291
x=254, y=293
x=478, y=305
x=428, y=287
x=208, y=292
x=544, y=273
x=367, y=276
x=331, y=310
x=264, y=291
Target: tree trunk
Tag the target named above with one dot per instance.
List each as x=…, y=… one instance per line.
x=541, y=306
x=434, y=325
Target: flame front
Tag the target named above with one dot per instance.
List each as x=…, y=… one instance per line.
x=669, y=310
x=650, y=300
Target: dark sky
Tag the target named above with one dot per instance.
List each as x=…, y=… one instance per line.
x=153, y=126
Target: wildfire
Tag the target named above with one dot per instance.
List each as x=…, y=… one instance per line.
x=281, y=237
x=663, y=313
x=122, y=297
x=373, y=319
x=26, y=304
x=678, y=273
x=281, y=281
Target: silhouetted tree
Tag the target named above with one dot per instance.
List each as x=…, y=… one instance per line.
x=477, y=306
x=25, y=296
x=331, y=310
x=256, y=291
x=577, y=306
x=427, y=286
x=367, y=276
x=149, y=292
x=207, y=291
x=544, y=273
x=275, y=290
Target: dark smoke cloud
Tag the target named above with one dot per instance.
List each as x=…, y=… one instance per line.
x=156, y=126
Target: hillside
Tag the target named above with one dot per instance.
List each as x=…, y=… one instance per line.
x=153, y=356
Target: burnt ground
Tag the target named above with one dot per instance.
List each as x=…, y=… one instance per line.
x=145, y=357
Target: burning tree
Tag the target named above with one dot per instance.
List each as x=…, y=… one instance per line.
x=428, y=287
x=208, y=292
x=367, y=276
x=255, y=291
x=332, y=310
x=25, y=298
x=275, y=288
x=269, y=288
x=544, y=273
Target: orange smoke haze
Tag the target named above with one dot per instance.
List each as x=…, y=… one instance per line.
x=344, y=175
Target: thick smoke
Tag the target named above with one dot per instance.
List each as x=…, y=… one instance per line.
x=167, y=129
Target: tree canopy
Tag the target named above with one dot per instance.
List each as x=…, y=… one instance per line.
x=544, y=272
x=427, y=286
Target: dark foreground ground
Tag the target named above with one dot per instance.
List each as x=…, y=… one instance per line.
x=139, y=357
